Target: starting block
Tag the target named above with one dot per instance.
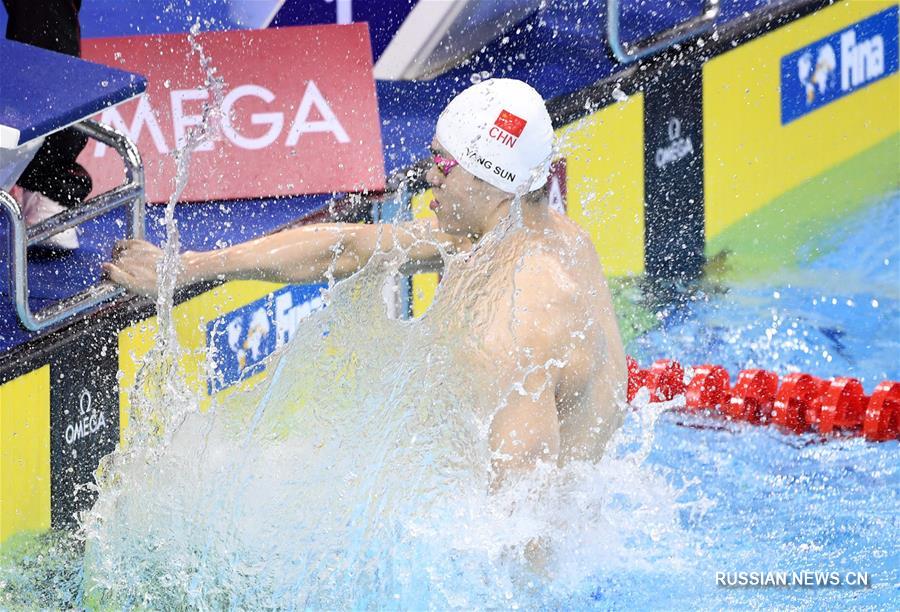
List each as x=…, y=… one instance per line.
x=42, y=92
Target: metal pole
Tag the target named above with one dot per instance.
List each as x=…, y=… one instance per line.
x=130, y=193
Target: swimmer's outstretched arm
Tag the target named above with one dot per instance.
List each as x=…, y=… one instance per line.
x=305, y=254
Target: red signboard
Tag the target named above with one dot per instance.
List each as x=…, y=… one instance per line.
x=296, y=112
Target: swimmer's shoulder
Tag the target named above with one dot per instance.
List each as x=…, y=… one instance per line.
x=547, y=307
x=549, y=279
x=573, y=233
x=581, y=254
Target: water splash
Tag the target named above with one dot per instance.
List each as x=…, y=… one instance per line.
x=160, y=382
x=358, y=474
x=351, y=477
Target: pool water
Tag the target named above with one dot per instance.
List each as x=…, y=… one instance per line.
x=236, y=512
x=782, y=502
x=837, y=315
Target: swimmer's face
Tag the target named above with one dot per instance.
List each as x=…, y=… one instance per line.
x=462, y=202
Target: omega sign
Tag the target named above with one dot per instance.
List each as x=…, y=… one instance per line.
x=88, y=421
x=313, y=116
x=295, y=112
x=678, y=148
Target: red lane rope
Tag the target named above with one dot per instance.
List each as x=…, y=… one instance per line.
x=802, y=403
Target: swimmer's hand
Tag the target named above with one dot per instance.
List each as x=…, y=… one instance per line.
x=133, y=266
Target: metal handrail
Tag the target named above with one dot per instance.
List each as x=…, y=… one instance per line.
x=130, y=193
x=629, y=52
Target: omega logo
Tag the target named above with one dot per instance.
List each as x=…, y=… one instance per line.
x=674, y=128
x=89, y=421
x=678, y=147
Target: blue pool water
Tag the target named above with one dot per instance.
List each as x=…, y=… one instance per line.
x=781, y=502
x=837, y=316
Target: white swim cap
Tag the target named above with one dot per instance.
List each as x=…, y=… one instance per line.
x=500, y=131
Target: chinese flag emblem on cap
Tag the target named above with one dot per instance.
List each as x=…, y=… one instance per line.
x=510, y=123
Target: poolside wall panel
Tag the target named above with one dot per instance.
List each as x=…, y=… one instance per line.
x=84, y=419
x=770, y=184
x=190, y=318
x=25, y=453
x=673, y=176
x=604, y=155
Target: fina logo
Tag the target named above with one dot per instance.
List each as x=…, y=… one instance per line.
x=241, y=341
x=819, y=77
x=838, y=65
x=860, y=62
x=251, y=346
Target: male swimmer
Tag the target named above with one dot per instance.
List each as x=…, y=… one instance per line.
x=548, y=326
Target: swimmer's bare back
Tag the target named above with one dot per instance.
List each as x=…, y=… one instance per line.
x=551, y=343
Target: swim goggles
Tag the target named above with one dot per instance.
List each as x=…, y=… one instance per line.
x=444, y=164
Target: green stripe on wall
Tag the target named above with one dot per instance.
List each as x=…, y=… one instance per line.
x=770, y=238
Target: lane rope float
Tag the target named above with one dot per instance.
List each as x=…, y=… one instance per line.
x=796, y=403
